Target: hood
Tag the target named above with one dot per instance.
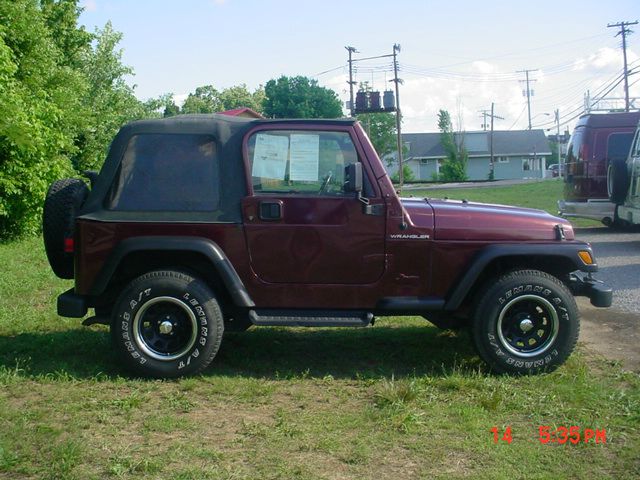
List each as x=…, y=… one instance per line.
x=467, y=221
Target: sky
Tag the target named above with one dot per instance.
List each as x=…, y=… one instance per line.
x=459, y=56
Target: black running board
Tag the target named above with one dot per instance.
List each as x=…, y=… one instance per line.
x=310, y=318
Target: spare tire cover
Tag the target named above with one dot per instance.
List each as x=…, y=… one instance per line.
x=61, y=206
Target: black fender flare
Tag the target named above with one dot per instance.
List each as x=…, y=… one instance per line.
x=203, y=246
x=484, y=257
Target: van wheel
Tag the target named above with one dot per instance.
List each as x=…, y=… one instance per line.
x=167, y=324
x=61, y=206
x=617, y=181
x=525, y=323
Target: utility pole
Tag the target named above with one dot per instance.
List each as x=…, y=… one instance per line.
x=484, y=114
x=623, y=31
x=529, y=91
x=491, y=162
x=396, y=49
x=556, y=113
x=351, y=83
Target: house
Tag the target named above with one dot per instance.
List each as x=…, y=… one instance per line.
x=516, y=154
x=242, y=112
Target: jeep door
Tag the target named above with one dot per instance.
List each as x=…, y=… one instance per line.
x=300, y=224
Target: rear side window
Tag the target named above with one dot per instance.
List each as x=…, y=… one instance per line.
x=167, y=173
x=618, y=145
x=574, y=150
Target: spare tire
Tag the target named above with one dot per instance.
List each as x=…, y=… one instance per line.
x=617, y=181
x=61, y=206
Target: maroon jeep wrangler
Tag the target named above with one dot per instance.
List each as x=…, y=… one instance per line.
x=200, y=224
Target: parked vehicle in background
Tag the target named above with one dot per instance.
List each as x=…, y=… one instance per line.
x=623, y=183
x=199, y=224
x=556, y=170
x=598, y=140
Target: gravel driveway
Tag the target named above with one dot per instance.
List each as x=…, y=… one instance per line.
x=614, y=332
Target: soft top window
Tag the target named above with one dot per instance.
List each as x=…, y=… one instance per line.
x=300, y=161
x=167, y=172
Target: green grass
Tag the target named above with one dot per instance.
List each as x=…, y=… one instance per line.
x=398, y=400
x=542, y=195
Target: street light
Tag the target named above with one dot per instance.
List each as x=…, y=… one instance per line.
x=543, y=113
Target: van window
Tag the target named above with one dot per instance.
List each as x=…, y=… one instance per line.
x=169, y=173
x=618, y=145
x=574, y=151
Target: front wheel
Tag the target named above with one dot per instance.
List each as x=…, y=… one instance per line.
x=167, y=324
x=526, y=323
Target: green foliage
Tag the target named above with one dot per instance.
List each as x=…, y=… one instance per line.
x=381, y=128
x=109, y=102
x=62, y=97
x=300, y=97
x=162, y=106
x=454, y=167
x=407, y=174
x=207, y=99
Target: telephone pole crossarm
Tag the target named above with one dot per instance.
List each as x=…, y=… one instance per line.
x=623, y=32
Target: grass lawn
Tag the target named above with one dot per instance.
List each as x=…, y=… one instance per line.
x=399, y=400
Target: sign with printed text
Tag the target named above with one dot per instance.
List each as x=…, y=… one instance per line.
x=270, y=156
x=305, y=157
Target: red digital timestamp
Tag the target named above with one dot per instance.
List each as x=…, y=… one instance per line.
x=561, y=435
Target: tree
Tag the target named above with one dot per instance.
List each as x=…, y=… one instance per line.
x=110, y=102
x=37, y=97
x=300, y=97
x=381, y=128
x=454, y=167
x=407, y=174
x=240, y=97
x=63, y=96
x=205, y=99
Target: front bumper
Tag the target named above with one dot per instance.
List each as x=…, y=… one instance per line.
x=595, y=209
x=599, y=294
x=70, y=304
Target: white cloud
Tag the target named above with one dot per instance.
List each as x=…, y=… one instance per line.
x=603, y=59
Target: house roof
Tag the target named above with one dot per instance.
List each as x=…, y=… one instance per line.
x=242, y=112
x=505, y=142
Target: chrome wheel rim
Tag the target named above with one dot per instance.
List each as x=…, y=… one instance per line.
x=165, y=328
x=528, y=326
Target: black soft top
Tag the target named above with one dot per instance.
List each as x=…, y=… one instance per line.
x=228, y=132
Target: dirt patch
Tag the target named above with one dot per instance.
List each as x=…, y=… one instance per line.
x=613, y=334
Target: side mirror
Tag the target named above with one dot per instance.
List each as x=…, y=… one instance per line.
x=353, y=178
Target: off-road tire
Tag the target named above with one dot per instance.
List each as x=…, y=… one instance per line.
x=167, y=324
x=61, y=206
x=617, y=181
x=526, y=322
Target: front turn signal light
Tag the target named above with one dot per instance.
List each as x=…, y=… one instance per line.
x=586, y=257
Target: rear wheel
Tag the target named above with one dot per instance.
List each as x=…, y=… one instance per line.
x=527, y=322
x=167, y=324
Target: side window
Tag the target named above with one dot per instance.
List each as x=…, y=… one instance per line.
x=168, y=173
x=573, y=150
x=618, y=145
x=300, y=161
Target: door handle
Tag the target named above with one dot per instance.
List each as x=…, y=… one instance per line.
x=271, y=210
